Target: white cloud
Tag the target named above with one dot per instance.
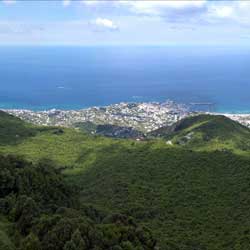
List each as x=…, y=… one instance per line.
x=155, y=7
x=224, y=11
x=101, y=24
x=221, y=11
x=92, y=2
x=236, y=11
x=8, y=2
x=173, y=11
x=66, y=3
x=149, y=5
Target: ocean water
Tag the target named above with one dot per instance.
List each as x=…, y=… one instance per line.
x=42, y=78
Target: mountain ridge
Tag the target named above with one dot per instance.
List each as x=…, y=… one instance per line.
x=190, y=196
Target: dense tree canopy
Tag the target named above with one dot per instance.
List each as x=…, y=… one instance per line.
x=46, y=215
x=100, y=193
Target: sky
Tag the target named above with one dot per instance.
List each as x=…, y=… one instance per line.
x=101, y=23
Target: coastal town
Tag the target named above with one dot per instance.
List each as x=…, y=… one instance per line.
x=144, y=117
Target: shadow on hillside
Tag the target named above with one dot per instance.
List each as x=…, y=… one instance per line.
x=189, y=199
x=14, y=131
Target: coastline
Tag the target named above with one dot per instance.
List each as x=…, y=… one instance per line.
x=142, y=116
x=78, y=107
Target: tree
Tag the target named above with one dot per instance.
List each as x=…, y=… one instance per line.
x=24, y=213
x=70, y=245
x=31, y=242
x=127, y=245
x=78, y=241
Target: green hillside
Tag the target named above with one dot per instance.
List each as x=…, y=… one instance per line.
x=13, y=130
x=191, y=195
x=109, y=130
x=46, y=214
x=201, y=131
x=189, y=199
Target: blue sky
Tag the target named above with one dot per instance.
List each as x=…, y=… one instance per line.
x=70, y=22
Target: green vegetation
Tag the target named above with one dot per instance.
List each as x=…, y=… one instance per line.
x=88, y=127
x=194, y=194
x=5, y=241
x=189, y=199
x=46, y=214
x=207, y=132
x=13, y=130
x=109, y=130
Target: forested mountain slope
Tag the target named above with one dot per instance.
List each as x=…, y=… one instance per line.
x=191, y=195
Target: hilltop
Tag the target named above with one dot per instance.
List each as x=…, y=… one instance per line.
x=191, y=195
x=214, y=131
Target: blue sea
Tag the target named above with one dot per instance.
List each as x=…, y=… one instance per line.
x=42, y=78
